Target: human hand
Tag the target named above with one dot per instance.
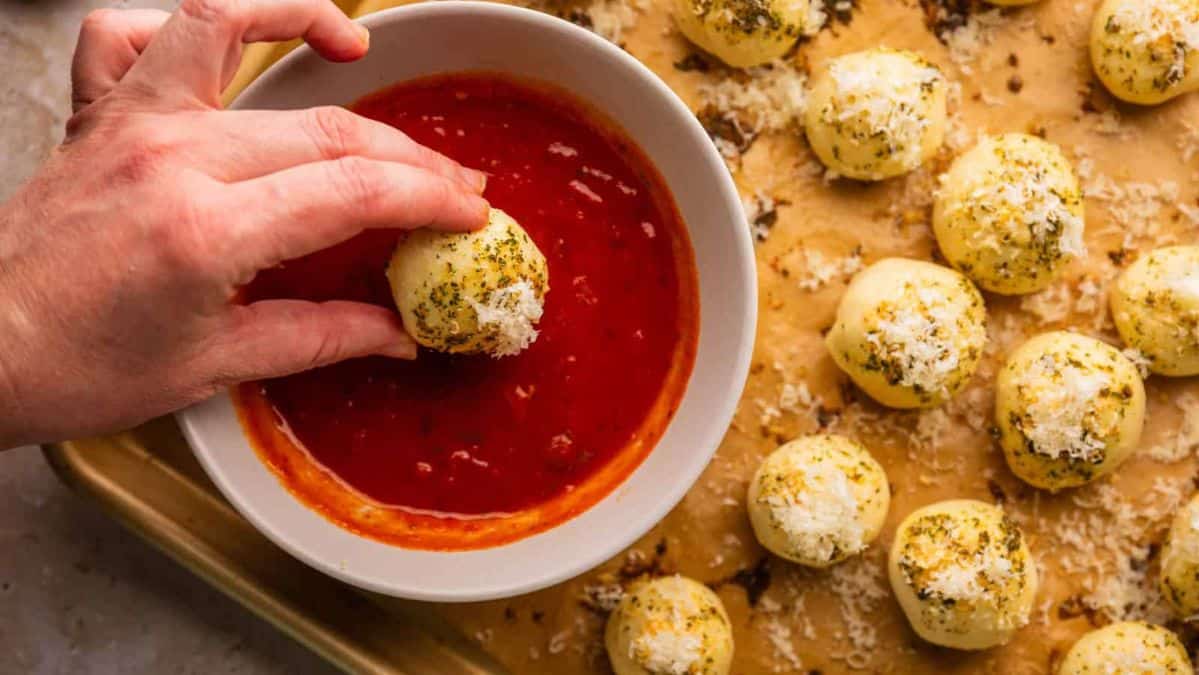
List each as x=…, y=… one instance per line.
x=121, y=258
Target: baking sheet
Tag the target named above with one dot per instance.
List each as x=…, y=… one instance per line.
x=1024, y=70
x=148, y=480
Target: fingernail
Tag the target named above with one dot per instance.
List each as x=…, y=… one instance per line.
x=364, y=35
x=480, y=180
x=399, y=350
x=486, y=215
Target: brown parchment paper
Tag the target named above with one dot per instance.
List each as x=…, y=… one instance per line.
x=1023, y=69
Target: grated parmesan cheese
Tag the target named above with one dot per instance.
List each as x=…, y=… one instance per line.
x=768, y=98
x=1183, y=441
x=967, y=41
x=512, y=310
x=1061, y=418
x=821, y=518
x=667, y=652
x=779, y=636
x=918, y=337
x=1155, y=23
x=858, y=585
x=821, y=270
x=895, y=117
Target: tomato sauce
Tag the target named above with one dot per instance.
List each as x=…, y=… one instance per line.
x=452, y=452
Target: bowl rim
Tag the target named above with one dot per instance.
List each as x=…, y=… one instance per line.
x=638, y=523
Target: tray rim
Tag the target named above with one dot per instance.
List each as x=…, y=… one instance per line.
x=336, y=645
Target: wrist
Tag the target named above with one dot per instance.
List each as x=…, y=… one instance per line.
x=15, y=342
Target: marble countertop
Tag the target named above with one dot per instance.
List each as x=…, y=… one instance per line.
x=78, y=593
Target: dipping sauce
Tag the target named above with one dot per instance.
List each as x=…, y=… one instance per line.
x=458, y=452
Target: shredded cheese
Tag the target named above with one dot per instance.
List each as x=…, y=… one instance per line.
x=894, y=117
x=667, y=652
x=512, y=310
x=1061, y=414
x=821, y=517
x=919, y=338
x=768, y=98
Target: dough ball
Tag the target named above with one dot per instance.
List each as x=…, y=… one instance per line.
x=963, y=574
x=1146, y=51
x=1009, y=214
x=1155, y=305
x=909, y=333
x=1180, y=562
x=818, y=500
x=1069, y=409
x=470, y=292
x=743, y=33
x=876, y=114
x=669, y=626
x=1127, y=648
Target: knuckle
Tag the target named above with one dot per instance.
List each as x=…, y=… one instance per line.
x=103, y=20
x=433, y=159
x=183, y=237
x=327, y=348
x=143, y=151
x=220, y=12
x=336, y=132
x=439, y=196
x=361, y=183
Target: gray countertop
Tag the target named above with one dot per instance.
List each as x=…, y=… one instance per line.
x=79, y=594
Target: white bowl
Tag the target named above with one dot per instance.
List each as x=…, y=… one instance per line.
x=425, y=39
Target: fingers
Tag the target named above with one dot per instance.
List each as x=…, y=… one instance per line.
x=198, y=50
x=258, y=142
x=314, y=206
x=272, y=338
x=110, y=40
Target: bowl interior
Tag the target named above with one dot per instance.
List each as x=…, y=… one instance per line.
x=426, y=39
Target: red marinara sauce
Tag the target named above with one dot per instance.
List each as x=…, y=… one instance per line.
x=458, y=452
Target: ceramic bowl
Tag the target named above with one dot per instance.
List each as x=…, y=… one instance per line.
x=425, y=39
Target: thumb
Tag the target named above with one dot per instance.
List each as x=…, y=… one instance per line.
x=272, y=338
x=110, y=40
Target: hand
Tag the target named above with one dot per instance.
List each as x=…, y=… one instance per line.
x=120, y=259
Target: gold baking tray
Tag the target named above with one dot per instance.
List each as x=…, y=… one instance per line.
x=1022, y=69
x=148, y=480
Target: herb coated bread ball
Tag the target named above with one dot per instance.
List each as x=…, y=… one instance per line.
x=478, y=292
x=1069, y=409
x=668, y=626
x=743, y=33
x=1179, y=580
x=1009, y=214
x=818, y=500
x=1155, y=305
x=909, y=333
x=963, y=575
x=1146, y=51
x=1127, y=648
x=876, y=114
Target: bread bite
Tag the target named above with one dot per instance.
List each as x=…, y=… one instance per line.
x=909, y=333
x=1069, y=409
x=743, y=33
x=1127, y=648
x=876, y=114
x=1009, y=214
x=818, y=500
x=1146, y=51
x=1179, y=576
x=478, y=292
x=669, y=626
x=1155, y=305
x=963, y=574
